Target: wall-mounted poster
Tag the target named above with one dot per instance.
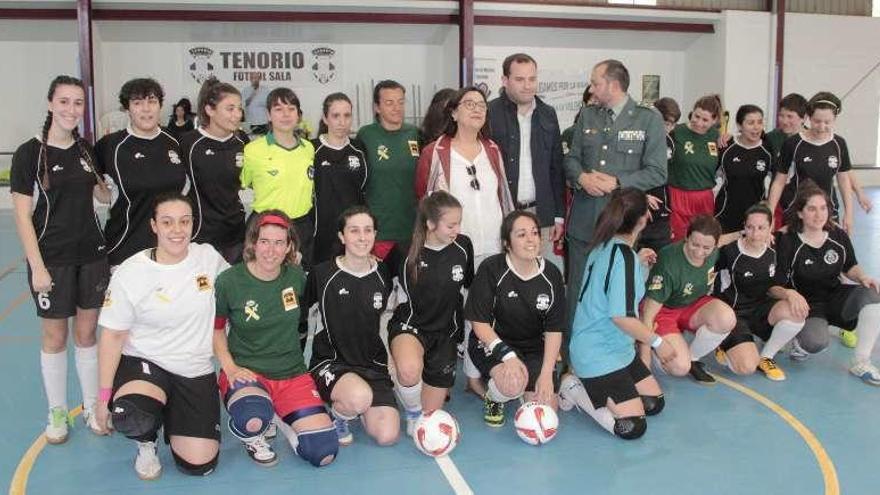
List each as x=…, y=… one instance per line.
x=650, y=88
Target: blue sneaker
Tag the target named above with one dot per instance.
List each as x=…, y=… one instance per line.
x=343, y=432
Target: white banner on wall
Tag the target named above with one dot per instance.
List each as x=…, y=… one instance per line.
x=297, y=65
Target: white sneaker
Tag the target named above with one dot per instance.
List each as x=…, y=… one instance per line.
x=566, y=399
x=412, y=417
x=89, y=419
x=271, y=432
x=260, y=451
x=147, y=465
x=867, y=372
x=57, y=426
x=797, y=353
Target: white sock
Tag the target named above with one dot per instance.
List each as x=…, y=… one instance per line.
x=54, y=368
x=411, y=397
x=867, y=330
x=603, y=416
x=783, y=332
x=495, y=395
x=287, y=431
x=87, y=371
x=705, y=342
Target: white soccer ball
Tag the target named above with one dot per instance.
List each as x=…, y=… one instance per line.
x=436, y=433
x=536, y=423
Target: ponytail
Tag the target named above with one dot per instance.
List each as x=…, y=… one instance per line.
x=43, y=169
x=431, y=209
x=620, y=215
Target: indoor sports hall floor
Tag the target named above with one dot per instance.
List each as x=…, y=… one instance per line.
x=816, y=433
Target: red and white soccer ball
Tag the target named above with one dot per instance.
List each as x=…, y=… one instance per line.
x=436, y=433
x=536, y=423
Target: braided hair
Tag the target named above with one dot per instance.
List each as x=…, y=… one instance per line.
x=43, y=171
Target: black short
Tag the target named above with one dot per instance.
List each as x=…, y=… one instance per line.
x=328, y=375
x=842, y=308
x=192, y=408
x=750, y=321
x=441, y=354
x=619, y=386
x=534, y=361
x=73, y=286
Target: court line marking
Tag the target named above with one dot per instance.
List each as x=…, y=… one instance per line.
x=19, y=299
x=829, y=473
x=10, y=268
x=18, y=486
x=453, y=476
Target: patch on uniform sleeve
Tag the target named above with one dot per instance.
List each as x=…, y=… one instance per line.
x=288, y=299
x=108, y=301
x=656, y=283
x=713, y=148
x=413, y=148
x=203, y=283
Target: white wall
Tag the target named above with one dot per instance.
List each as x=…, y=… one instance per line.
x=832, y=53
x=33, y=53
x=422, y=58
x=568, y=53
x=748, y=68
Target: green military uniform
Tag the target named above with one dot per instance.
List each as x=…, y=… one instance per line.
x=631, y=147
x=675, y=282
x=391, y=196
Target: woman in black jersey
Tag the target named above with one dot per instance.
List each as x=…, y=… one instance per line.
x=517, y=307
x=349, y=362
x=424, y=332
x=750, y=283
x=340, y=174
x=813, y=255
x=214, y=155
x=744, y=168
x=817, y=154
x=64, y=246
x=657, y=233
x=140, y=162
x=182, y=119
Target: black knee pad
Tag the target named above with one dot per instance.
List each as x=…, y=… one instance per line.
x=630, y=428
x=137, y=416
x=195, y=469
x=653, y=405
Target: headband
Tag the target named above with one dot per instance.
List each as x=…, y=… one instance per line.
x=827, y=102
x=274, y=220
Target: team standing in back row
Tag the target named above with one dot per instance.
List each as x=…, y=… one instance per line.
x=453, y=228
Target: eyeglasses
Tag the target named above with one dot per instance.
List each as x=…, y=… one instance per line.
x=473, y=105
x=472, y=171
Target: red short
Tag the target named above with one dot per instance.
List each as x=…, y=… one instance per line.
x=777, y=218
x=288, y=395
x=685, y=205
x=674, y=320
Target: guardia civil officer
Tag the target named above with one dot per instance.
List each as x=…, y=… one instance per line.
x=616, y=143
